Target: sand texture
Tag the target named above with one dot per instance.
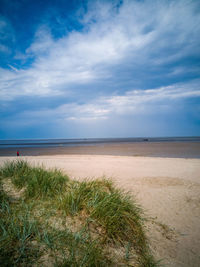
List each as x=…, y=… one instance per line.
x=168, y=189
x=141, y=149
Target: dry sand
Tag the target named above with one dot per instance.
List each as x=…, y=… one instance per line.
x=167, y=188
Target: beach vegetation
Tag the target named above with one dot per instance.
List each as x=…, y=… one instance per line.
x=38, y=182
x=48, y=219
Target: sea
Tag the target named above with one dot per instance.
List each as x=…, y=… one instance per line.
x=44, y=143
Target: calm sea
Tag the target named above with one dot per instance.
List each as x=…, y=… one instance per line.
x=89, y=141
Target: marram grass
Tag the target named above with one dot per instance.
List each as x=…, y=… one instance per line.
x=39, y=183
x=63, y=222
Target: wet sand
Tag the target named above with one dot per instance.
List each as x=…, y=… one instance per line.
x=168, y=189
x=147, y=149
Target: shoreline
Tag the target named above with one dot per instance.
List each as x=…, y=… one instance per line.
x=142, y=149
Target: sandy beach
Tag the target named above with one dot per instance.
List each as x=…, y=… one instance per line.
x=168, y=189
x=141, y=149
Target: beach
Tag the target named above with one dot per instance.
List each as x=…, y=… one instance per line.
x=167, y=188
x=145, y=149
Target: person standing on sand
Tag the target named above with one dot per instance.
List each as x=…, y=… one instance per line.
x=17, y=153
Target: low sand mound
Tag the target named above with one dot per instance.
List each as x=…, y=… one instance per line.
x=167, y=188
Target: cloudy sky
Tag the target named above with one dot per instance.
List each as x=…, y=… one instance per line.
x=73, y=69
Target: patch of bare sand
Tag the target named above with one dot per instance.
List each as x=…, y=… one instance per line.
x=167, y=188
x=12, y=191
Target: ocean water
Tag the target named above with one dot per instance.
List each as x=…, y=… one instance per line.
x=88, y=141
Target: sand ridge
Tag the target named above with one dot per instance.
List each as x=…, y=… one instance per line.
x=167, y=188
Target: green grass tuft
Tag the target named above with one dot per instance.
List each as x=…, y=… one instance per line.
x=38, y=182
x=81, y=195
x=68, y=223
x=16, y=233
x=78, y=249
x=114, y=211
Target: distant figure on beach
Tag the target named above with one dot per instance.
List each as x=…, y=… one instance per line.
x=17, y=153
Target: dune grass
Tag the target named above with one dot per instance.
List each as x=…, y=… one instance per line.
x=39, y=182
x=113, y=211
x=63, y=222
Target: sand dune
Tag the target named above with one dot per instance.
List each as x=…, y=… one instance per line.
x=167, y=188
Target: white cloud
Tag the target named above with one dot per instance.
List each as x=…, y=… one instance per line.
x=134, y=102
x=138, y=33
x=43, y=42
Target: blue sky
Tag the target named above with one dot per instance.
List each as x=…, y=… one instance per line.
x=73, y=69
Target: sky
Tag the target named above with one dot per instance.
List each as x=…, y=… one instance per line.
x=83, y=69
